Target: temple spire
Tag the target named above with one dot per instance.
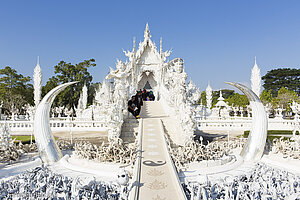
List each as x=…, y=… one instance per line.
x=208, y=96
x=37, y=83
x=147, y=34
x=255, y=79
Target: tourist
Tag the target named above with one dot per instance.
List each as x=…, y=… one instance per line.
x=151, y=96
x=144, y=94
x=132, y=107
x=139, y=101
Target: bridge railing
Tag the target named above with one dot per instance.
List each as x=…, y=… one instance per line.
x=134, y=193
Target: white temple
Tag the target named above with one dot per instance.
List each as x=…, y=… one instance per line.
x=147, y=68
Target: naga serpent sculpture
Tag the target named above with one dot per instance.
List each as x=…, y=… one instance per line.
x=46, y=144
x=254, y=148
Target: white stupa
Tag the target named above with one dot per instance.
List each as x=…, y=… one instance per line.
x=221, y=102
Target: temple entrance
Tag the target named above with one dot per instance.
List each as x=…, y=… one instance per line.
x=148, y=82
x=147, y=86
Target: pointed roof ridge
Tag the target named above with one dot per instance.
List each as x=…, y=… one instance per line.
x=147, y=42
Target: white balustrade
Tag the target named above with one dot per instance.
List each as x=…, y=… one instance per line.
x=57, y=125
x=243, y=124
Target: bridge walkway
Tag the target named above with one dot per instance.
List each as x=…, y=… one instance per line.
x=158, y=177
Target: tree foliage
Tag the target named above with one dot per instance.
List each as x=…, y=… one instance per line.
x=92, y=91
x=202, y=98
x=238, y=100
x=266, y=96
x=282, y=77
x=67, y=72
x=230, y=96
x=15, y=90
x=285, y=98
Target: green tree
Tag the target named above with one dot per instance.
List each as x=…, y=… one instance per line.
x=202, y=98
x=266, y=97
x=67, y=72
x=284, y=98
x=227, y=93
x=282, y=77
x=237, y=99
x=92, y=91
x=15, y=91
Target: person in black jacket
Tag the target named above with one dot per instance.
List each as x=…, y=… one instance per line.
x=144, y=94
x=139, y=101
x=132, y=107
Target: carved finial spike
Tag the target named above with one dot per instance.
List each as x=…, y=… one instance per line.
x=147, y=32
x=255, y=60
x=133, y=43
x=161, y=49
x=38, y=61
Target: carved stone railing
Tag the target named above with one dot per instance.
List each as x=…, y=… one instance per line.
x=242, y=124
x=57, y=125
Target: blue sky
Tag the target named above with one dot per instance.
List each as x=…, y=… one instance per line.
x=217, y=39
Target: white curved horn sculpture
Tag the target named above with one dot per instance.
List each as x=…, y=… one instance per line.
x=254, y=148
x=46, y=144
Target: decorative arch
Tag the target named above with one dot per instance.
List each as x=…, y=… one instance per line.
x=149, y=77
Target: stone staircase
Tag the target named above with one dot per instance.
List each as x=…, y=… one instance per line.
x=129, y=130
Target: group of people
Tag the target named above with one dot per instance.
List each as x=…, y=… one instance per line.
x=136, y=102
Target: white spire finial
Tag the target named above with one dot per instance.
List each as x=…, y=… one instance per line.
x=37, y=82
x=147, y=32
x=255, y=60
x=255, y=79
x=161, y=49
x=133, y=44
x=208, y=85
x=38, y=61
x=208, y=96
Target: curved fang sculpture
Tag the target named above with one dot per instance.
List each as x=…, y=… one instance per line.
x=46, y=144
x=254, y=148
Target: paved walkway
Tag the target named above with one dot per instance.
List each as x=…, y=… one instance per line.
x=158, y=177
